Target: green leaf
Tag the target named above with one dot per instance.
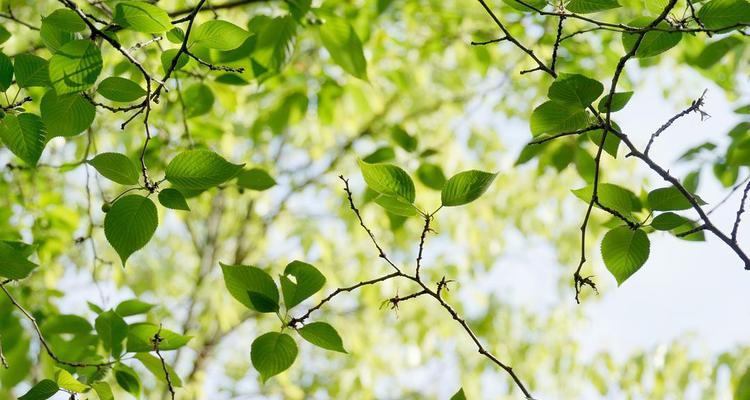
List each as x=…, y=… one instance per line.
x=654, y=42
x=619, y=100
x=465, y=187
x=75, y=67
x=65, y=323
x=459, y=395
x=243, y=280
x=712, y=53
x=255, y=179
x=128, y=379
x=380, y=155
x=66, y=381
x=24, y=135
x=668, y=221
x=404, y=139
x=611, y=196
x=717, y=14
x=272, y=353
x=590, y=6
x=130, y=224
x=742, y=391
x=154, y=365
x=43, y=390
x=6, y=72
x=112, y=331
x=624, y=251
x=31, y=70
x=53, y=37
x=275, y=43
x=388, y=179
x=322, y=335
x=199, y=99
x=575, y=89
x=4, y=35
x=116, y=167
x=168, y=56
x=13, y=261
x=66, y=115
x=133, y=307
x=396, y=205
x=120, y=89
x=344, y=46
x=431, y=175
x=668, y=199
x=219, y=35
x=103, y=390
x=263, y=303
x=65, y=20
x=141, y=335
x=307, y=281
x=200, y=169
x=611, y=142
x=173, y=198
x=556, y=117
x=142, y=17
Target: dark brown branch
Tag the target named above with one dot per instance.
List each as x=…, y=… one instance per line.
x=486, y=42
x=691, y=231
x=739, y=213
x=214, y=7
x=214, y=67
x=569, y=133
x=695, y=106
x=423, y=236
x=558, y=39
x=156, y=340
x=17, y=104
x=12, y=17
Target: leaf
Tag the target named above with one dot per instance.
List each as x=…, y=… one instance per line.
x=66, y=381
x=381, y=154
x=668, y=199
x=45, y=389
x=24, y=135
x=404, y=139
x=275, y=43
x=66, y=115
x=142, y=17
x=272, y=353
x=200, y=169
x=575, y=89
x=344, y=46
x=388, y=179
x=307, y=281
x=395, y=205
x=712, y=53
x=53, y=37
x=322, y=335
x=141, y=335
x=717, y=14
x=133, y=307
x=742, y=391
x=611, y=196
x=624, y=251
x=112, y=331
x=654, y=42
x=611, y=142
x=116, y=167
x=31, y=70
x=128, y=379
x=13, y=261
x=431, y=175
x=199, y=99
x=668, y=221
x=4, y=35
x=619, y=100
x=556, y=117
x=103, y=390
x=6, y=72
x=172, y=198
x=65, y=20
x=459, y=395
x=219, y=35
x=130, y=224
x=243, y=280
x=120, y=89
x=465, y=187
x=169, y=55
x=590, y=6
x=154, y=365
x=75, y=67
x=255, y=179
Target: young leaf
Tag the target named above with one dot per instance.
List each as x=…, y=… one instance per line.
x=128, y=379
x=172, y=198
x=219, y=35
x=272, y=354
x=624, y=251
x=388, y=179
x=199, y=99
x=668, y=221
x=141, y=335
x=31, y=70
x=380, y=155
x=103, y=390
x=344, y=46
x=25, y=136
x=66, y=381
x=431, y=175
x=575, y=89
x=154, y=365
x=669, y=199
x=120, y=89
x=322, y=335
x=255, y=179
x=112, y=330
x=654, y=42
x=710, y=54
x=556, y=117
x=717, y=14
x=200, y=169
x=142, y=17
x=395, y=205
x=130, y=224
x=619, y=100
x=133, y=307
x=404, y=139
x=611, y=196
x=66, y=115
x=252, y=287
x=75, y=67
x=6, y=72
x=116, y=167
x=465, y=187
x=43, y=390
x=65, y=20
x=307, y=281
x=459, y=395
x=275, y=43
x=13, y=261
x=590, y=6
